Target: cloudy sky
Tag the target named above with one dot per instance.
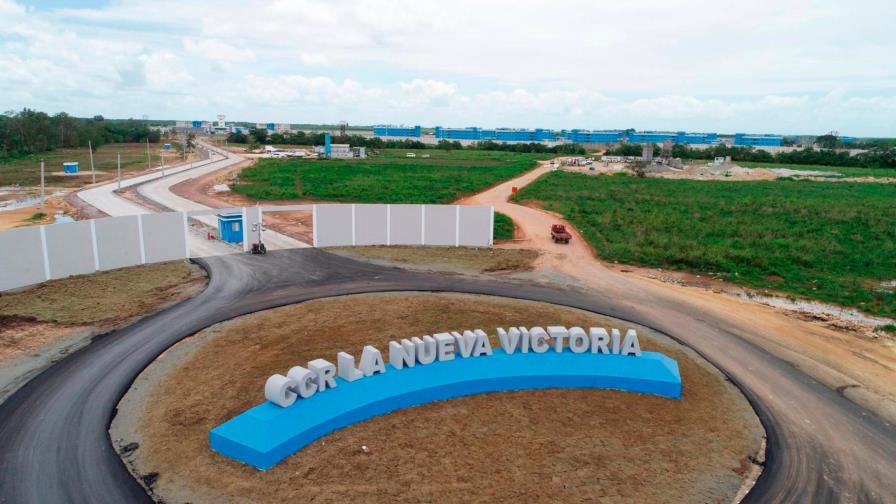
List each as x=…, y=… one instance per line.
x=764, y=66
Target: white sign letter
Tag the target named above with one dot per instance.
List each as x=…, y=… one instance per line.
x=558, y=334
x=372, y=361
x=578, y=340
x=510, y=340
x=346, y=365
x=306, y=385
x=402, y=354
x=278, y=390
x=324, y=372
x=539, y=340
x=483, y=346
x=464, y=342
x=630, y=345
x=444, y=346
x=599, y=340
x=426, y=349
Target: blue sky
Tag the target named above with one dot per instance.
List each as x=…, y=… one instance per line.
x=786, y=66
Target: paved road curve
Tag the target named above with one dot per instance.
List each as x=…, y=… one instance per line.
x=54, y=445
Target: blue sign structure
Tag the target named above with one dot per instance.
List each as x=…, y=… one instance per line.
x=268, y=433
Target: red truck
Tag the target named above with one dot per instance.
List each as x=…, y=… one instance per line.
x=559, y=234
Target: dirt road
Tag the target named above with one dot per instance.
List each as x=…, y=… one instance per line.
x=862, y=370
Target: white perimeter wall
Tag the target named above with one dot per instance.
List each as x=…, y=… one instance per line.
x=35, y=254
x=447, y=225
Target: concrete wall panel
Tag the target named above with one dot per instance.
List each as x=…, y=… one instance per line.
x=118, y=242
x=406, y=225
x=163, y=236
x=370, y=225
x=251, y=222
x=441, y=225
x=475, y=226
x=70, y=249
x=334, y=225
x=21, y=258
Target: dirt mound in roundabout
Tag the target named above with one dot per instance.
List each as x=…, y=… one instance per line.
x=538, y=445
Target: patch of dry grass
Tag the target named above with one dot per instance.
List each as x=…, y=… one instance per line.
x=52, y=310
x=466, y=259
x=545, y=445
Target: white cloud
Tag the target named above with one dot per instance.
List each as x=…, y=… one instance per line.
x=315, y=59
x=299, y=89
x=216, y=49
x=429, y=92
x=165, y=71
x=710, y=64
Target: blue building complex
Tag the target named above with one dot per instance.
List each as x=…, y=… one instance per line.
x=497, y=134
x=397, y=131
x=579, y=136
x=764, y=140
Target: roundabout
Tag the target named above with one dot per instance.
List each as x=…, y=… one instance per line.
x=821, y=446
x=495, y=446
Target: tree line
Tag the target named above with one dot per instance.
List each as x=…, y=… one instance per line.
x=260, y=136
x=32, y=132
x=874, y=157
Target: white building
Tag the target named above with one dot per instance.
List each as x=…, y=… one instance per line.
x=342, y=151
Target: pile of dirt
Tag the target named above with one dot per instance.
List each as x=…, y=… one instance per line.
x=545, y=445
x=456, y=259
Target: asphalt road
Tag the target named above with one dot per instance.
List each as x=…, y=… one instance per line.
x=54, y=444
x=156, y=186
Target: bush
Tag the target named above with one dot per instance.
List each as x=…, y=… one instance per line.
x=503, y=227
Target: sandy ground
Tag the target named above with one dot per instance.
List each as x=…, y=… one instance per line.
x=20, y=217
x=451, y=259
x=729, y=172
x=41, y=324
x=861, y=368
x=297, y=225
x=567, y=446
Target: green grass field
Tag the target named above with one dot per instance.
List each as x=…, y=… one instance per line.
x=849, y=171
x=25, y=171
x=387, y=178
x=503, y=227
x=832, y=242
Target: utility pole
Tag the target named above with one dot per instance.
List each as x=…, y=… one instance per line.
x=148, y=159
x=41, y=184
x=119, y=171
x=92, y=169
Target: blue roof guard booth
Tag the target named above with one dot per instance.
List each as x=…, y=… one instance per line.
x=231, y=227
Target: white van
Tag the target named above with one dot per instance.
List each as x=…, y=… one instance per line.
x=410, y=154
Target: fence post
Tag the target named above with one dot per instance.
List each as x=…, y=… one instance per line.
x=422, y=224
x=96, y=249
x=245, y=232
x=186, y=235
x=354, y=241
x=457, y=225
x=491, y=226
x=388, y=224
x=43, y=245
x=140, y=233
x=314, y=225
